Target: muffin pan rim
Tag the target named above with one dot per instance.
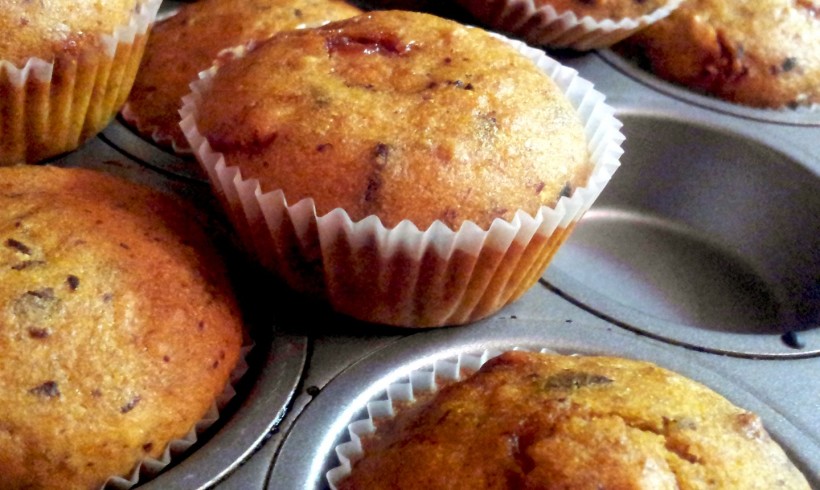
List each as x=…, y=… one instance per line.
x=318, y=427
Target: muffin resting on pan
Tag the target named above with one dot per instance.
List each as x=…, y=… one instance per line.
x=65, y=70
x=528, y=420
x=575, y=24
x=188, y=42
x=409, y=168
x=761, y=53
x=118, y=329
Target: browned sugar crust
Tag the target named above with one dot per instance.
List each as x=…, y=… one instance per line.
x=761, y=53
x=187, y=43
x=399, y=115
x=551, y=422
x=117, y=326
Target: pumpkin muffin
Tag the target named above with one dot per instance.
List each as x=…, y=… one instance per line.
x=575, y=24
x=65, y=70
x=117, y=326
x=761, y=53
x=188, y=42
x=528, y=420
x=406, y=163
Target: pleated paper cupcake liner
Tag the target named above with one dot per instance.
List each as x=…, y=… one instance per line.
x=402, y=275
x=51, y=107
x=544, y=26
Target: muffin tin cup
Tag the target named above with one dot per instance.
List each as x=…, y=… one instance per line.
x=149, y=468
x=323, y=443
x=410, y=277
x=544, y=26
x=50, y=107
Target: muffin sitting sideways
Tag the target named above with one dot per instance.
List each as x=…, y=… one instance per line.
x=412, y=170
x=118, y=329
x=552, y=422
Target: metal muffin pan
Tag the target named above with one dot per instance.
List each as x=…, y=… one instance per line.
x=708, y=235
x=308, y=452
x=309, y=364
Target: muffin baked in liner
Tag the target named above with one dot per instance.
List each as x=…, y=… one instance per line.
x=53, y=106
x=545, y=26
x=149, y=467
x=402, y=275
x=422, y=383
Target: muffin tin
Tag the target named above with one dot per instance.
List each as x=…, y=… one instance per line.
x=702, y=255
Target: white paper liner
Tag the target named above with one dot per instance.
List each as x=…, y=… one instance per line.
x=149, y=468
x=544, y=26
x=404, y=390
x=477, y=271
x=59, y=117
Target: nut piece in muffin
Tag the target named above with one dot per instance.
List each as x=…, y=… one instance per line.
x=65, y=70
x=407, y=163
x=761, y=53
x=188, y=42
x=528, y=420
x=118, y=329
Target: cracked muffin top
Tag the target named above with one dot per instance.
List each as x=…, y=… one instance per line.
x=528, y=420
x=45, y=29
x=400, y=115
x=761, y=53
x=605, y=9
x=117, y=326
x=188, y=42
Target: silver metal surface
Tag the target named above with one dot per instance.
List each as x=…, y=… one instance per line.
x=708, y=235
x=307, y=453
x=705, y=243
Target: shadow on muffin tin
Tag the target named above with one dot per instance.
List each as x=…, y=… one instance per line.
x=308, y=451
x=708, y=235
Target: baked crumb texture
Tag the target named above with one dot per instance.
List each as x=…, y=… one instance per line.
x=411, y=170
x=575, y=24
x=528, y=420
x=188, y=42
x=117, y=326
x=762, y=53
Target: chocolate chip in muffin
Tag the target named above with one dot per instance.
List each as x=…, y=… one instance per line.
x=49, y=389
x=19, y=246
x=131, y=404
x=73, y=282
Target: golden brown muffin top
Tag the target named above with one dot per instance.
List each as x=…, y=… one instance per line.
x=605, y=9
x=762, y=53
x=398, y=114
x=187, y=43
x=552, y=422
x=44, y=29
x=117, y=326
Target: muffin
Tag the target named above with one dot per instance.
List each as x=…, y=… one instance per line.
x=762, y=53
x=117, y=326
x=183, y=45
x=65, y=70
x=528, y=420
x=575, y=24
x=413, y=171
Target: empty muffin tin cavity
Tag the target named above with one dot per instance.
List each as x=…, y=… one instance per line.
x=705, y=238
